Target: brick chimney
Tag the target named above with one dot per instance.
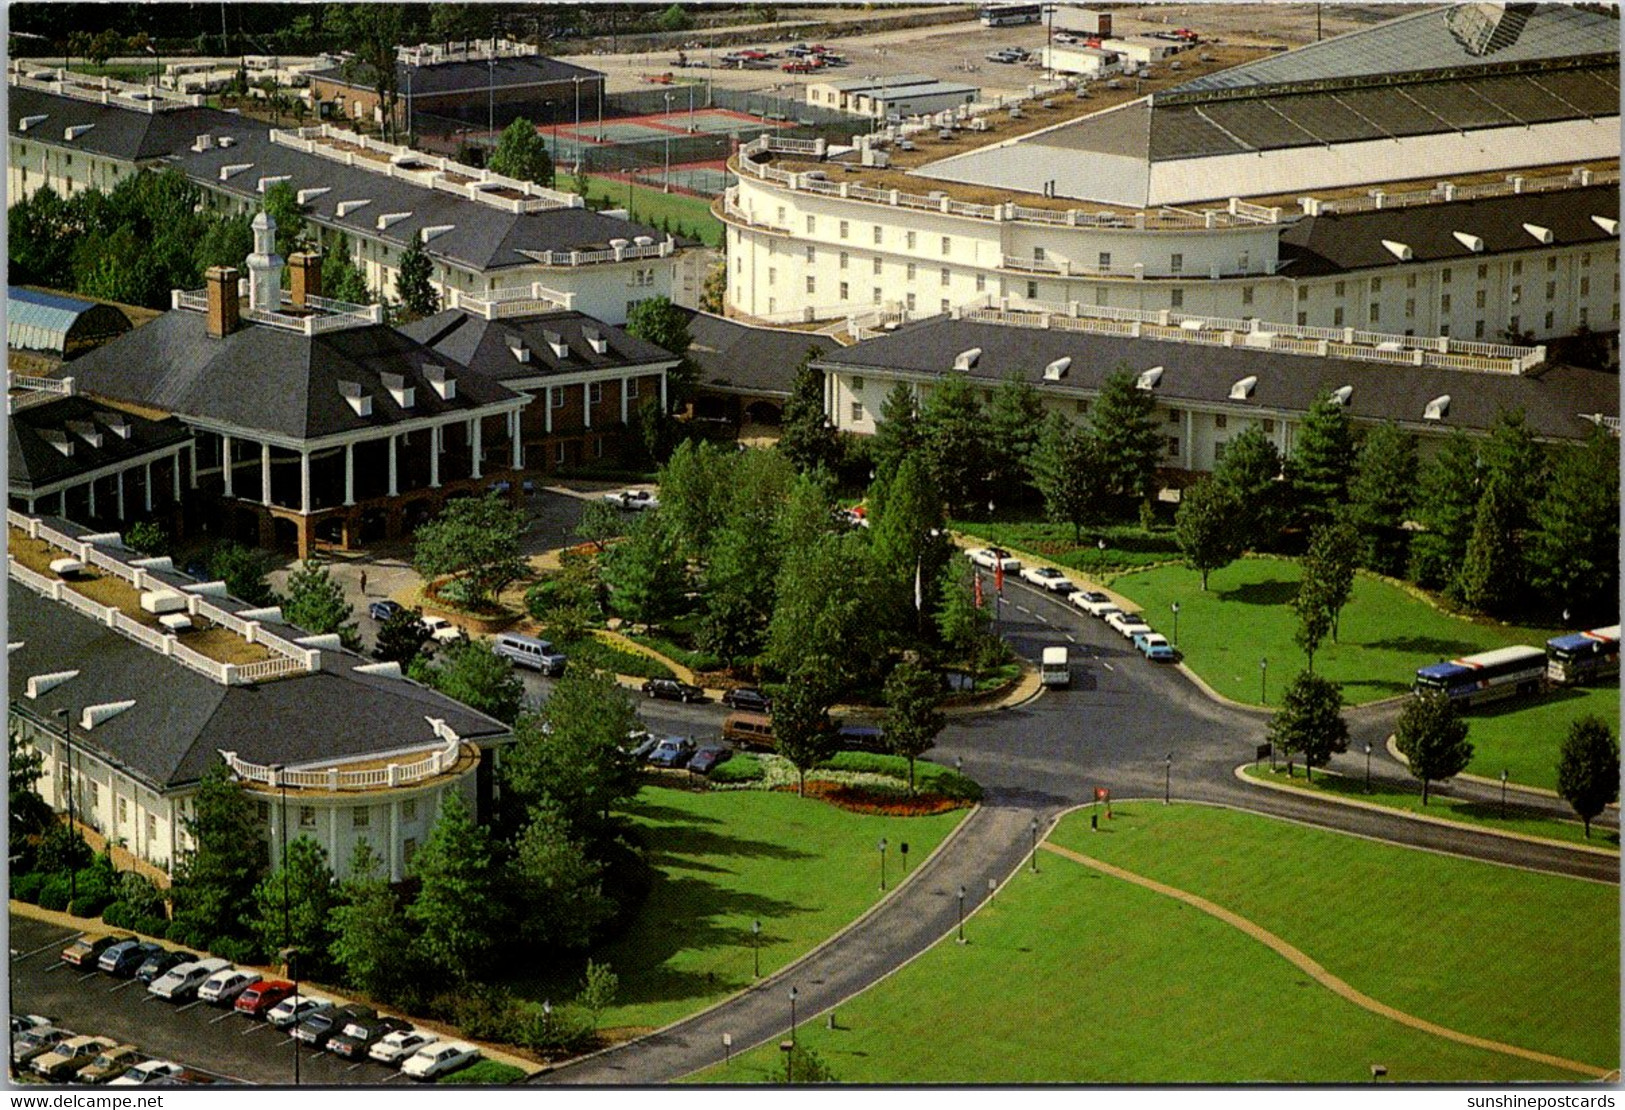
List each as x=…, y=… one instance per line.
x=223, y=308
x=305, y=270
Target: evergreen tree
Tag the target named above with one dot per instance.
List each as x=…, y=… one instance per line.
x=371, y=931
x=802, y=729
x=474, y=674
x=401, y=638
x=1310, y=721
x=1321, y=462
x=806, y=437
x=316, y=603
x=1433, y=739
x=414, y=283
x=908, y=540
x=1250, y=472
x=30, y=813
x=1588, y=768
x=458, y=928
x=342, y=279
x=954, y=433
x=694, y=488
x=1328, y=567
x=1128, y=444
x=1574, y=556
x=222, y=857
x=1206, y=527
x=1312, y=605
x=1448, y=489
x=912, y=722
x=601, y=522
x=554, y=887
x=521, y=152
x=961, y=623
x=146, y=537
x=293, y=906
x=823, y=611
x=1513, y=459
x=1064, y=470
x=662, y=323
x=1380, y=496
x=898, y=432
x=647, y=580
x=742, y=580
x=569, y=756
x=282, y=205
x=1014, y=420
x=1491, y=576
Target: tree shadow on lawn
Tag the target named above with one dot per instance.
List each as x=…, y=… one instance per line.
x=1436, y=646
x=1378, y=687
x=670, y=815
x=677, y=843
x=1273, y=592
x=1554, y=696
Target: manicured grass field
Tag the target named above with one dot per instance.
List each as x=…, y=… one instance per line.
x=1383, y=637
x=1524, y=736
x=1072, y=976
x=1127, y=545
x=1448, y=809
x=650, y=206
x=804, y=868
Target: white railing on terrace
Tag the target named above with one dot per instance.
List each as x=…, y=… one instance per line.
x=436, y=762
x=197, y=661
x=331, y=315
x=520, y=301
x=63, y=386
x=239, y=674
x=1445, y=192
x=1063, y=267
x=99, y=90
x=630, y=252
x=134, y=629
x=39, y=583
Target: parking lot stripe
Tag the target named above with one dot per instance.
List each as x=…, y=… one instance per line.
x=1071, y=639
x=1107, y=665
x=121, y=986
x=252, y=1029
x=190, y=1006
x=88, y=975
x=352, y=1067
x=1041, y=617
x=1024, y=609
x=222, y=1017
x=286, y=1043
x=58, y=944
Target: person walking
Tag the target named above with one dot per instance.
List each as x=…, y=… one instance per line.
x=363, y=583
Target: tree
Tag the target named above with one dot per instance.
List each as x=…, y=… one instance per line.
x=401, y=637
x=1127, y=441
x=459, y=891
x=1380, y=497
x=962, y=623
x=1433, y=739
x=674, y=18
x=1206, y=527
x=293, y=906
x=805, y=436
x=1328, y=566
x=598, y=989
x=282, y=205
x=1014, y=420
x=801, y=725
x=555, y=888
x=371, y=930
x=1312, y=604
x=601, y=522
x=898, y=432
x=741, y=583
x=569, y=756
x=414, y=283
x=473, y=673
x=222, y=857
x=102, y=47
x=1512, y=458
x=1491, y=575
x=1310, y=721
x=662, y=323
x=224, y=242
x=908, y=543
x=41, y=232
x=146, y=537
x=475, y=541
x=823, y=611
x=371, y=32
x=316, y=603
x=954, y=433
x=912, y=721
x=1321, y=462
x=30, y=813
x=343, y=280
x=647, y=580
x=1064, y=470
x=1588, y=768
x=1574, y=551
x=1448, y=489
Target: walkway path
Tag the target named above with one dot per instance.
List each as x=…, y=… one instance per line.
x=1307, y=964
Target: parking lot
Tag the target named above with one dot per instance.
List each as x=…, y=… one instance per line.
x=194, y=1034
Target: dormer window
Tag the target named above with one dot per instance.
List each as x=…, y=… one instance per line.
x=966, y=360
x=403, y=394
x=1148, y=380
x=118, y=426
x=1473, y=243
x=57, y=439
x=1056, y=370
x=359, y=401
x=1243, y=389
x=86, y=431
x=1342, y=394
x=442, y=383
x=1437, y=409
x=556, y=342
x=345, y=207
x=595, y=339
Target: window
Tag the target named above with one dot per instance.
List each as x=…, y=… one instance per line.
x=1337, y=289
x=945, y=275
x=555, y=397
x=908, y=240
x=1410, y=308
x=1548, y=321
x=845, y=260
x=812, y=224
x=409, y=809
x=845, y=293
x=947, y=245
x=1483, y=271
x=812, y=284
x=361, y=816
x=1517, y=294
x=598, y=447
x=1032, y=290
x=558, y=454
x=1100, y=296
x=1584, y=316
x=307, y=817
x=1081, y=407
x=595, y=392
x=1517, y=266
x=1551, y=264
x=1478, y=329
x=1337, y=316
x=1246, y=294
x=1269, y=427
x=1444, y=276
x=1376, y=285
x=1105, y=260
x=857, y=385
x=877, y=294
x=1480, y=298
x=1303, y=293
x=631, y=388
x=909, y=273
x=845, y=228
x=1218, y=451
x=1220, y=420
x=1039, y=255
x=1513, y=325
x=1176, y=263
x=857, y=412
x=1373, y=312
x=1173, y=445
x=781, y=215
x=1444, y=303
x=1444, y=330
x=943, y=306
x=152, y=827
x=409, y=848
x=1585, y=259
x=1585, y=286
x=877, y=267
x=1410, y=281
x=909, y=302
x=981, y=283
x=1173, y=417
x=124, y=810
x=877, y=235
x=812, y=254
x=1176, y=298
x=1303, y=319
x=1551, y=290
x=772, y=275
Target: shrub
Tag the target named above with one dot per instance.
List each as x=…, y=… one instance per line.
x=90, y=905
x=486, y=1072
x=568, y=1029
x=589, y=651
x=488, y=1013
x=138, y=892
x=117, y=916
x=185, y=935
x=743, y=767
x=26, y=887
x=152, y=926
x=54, y=893
x=235, y=949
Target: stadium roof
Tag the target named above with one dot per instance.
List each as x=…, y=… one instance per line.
x=1442, y=38
x=37, y=321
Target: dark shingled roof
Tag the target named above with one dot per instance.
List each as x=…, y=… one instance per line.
x=1554, y=401
x=736, y=358
x=486, y=346
x=116, y=132
x=37, y=425
x=182, y=719
x=465, y=76
x=275, y=381
x=1335, y=243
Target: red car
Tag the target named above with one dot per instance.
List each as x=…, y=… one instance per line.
x=258, y=999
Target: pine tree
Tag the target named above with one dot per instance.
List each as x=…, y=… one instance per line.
x=908, y=542
x=316, y=603
x=414, y=283
x=1448, y=489
x=1065, y=471
x=1321, y=463
x=1433, y=739
x=1206, y=527
x=646, y=578
x=1574, y=552
x=521, y=152
x=401, y=638
x=912, y=722
x=223, y=857
x=1310, y=721
x=1328, y=566
x=1588, y=768
x=806, y=437
x=898, y=433
x=1380, y=497
x=1491, y=576
x=371, y=930
x=1128, y=444
x=293, y=906
x=953, y=430
x=1513, y=459
x=1014, y=419
x=453, y=912
x=961, y=623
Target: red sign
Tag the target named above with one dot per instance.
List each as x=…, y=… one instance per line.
x=998, y=573
x=978, y=590
x=1101, y=793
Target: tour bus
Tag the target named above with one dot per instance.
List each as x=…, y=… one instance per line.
x=1583, y=656
x=1006, y=15
x=1489, y=675
x=1054, y=669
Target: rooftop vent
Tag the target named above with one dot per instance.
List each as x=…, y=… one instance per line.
x=274, y=179
x=305, y=196
x=387, y=218
x=231, y=171
x=29, y=121
x=201, y=143
x=228, y=140
x=1471, y=242
x=966, y=360
x=428, y=233
x=617, y=244
x=643, y=240
x=41, y=683
x=384, y=670
x=1438, y=408
x=1341, y=395
x=1541, y=234
x=557, y=343
x=1243, y=389
x=347, y=206
x=1401, y=251
x=444, y=384
x=94, y=715
x=86, y=431
x=1056, y=370
x=398, y=389
x=358, y=400
x=595, y=339
x=72, y=133
x=1148, y=380
x=1607, y=223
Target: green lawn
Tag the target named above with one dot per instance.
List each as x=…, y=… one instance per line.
x=650, y=206
x=804, y=868
x=1071, y=976
x=1127, y=545
x=1385, y=634
x=1450, y=809
x=1524, y=736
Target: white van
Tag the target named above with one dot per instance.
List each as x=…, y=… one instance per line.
x=1055, y=669
x=527, y=651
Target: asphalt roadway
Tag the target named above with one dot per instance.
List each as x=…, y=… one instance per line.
x=1139, y=729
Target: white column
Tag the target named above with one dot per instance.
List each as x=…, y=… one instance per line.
x=394, y=482
x=1190, y=436
x=434, y=457
x=332, y=843
x=192, y=447
x=146, y=486
x=395, y=868
x=663, y=402
x=624, y=388
x=265, y=475
x=225, y=463
x=586, y=401
x=304, y=482
x=30, y=506
x=518, y=446
x=547, y=409
x=175, y=475
x=92, y=485
x=475, y=449
x=349, y=474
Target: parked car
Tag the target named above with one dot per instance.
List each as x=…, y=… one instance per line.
x=673, y=751
x=527, y=651
x=1127, y=624
x=223, y=987
x=37, y=1042
x=1091, y=601
x=294, y=1009
x=22, y=1023
x=989, y=557
x=633, y=500
x=182, y=981
x=110, y=1064
x=161, y=962
x=707, y=757
x=1154, y=646
x=1047, y=578
x=124, y=958
x=747, y=698
x=381, y=611
x=260, y=998
x=639, y=743
x=353, y=1041
x=66, y=1058
x=437, y=1059
x=1107, y=612
x=672, y=690
x=861, y=738
x=442, y=631
x=397, y=1047
x=148, y=1073
x=320, y=1028
x=85, y=950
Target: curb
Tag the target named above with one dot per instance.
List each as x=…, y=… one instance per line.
x=1538, y=791
x=1444, y=822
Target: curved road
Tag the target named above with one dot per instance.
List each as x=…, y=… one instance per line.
x=1134, y=727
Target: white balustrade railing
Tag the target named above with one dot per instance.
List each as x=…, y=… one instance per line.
x=197, y=661
x=435, y=762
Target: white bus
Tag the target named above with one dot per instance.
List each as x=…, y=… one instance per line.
x=1055, y=669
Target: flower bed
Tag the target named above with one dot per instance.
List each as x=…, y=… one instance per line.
x=878, y=801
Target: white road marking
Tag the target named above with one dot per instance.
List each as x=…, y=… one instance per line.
x=88, y=975
x=1107, y=665
x=1070, y=638
x=252, y=1029
x=43, y=947
x=1041, y=617
x=222, y=1017
x=121, y=986
x=190, y=1006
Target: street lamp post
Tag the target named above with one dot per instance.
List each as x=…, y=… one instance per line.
x=67, y=777
x=756, y=949
x=961, y=915
x=793, y=993
x=1263, y=681
x=1503, y=794
x=1168, y=779
x=491, y=97
x=882, y=847
x=1033, y=828
x=1368, y=768
x=665, y=186
x=1175, y=608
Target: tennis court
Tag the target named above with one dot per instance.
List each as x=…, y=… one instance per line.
x=706, y=179
x=618, y=131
